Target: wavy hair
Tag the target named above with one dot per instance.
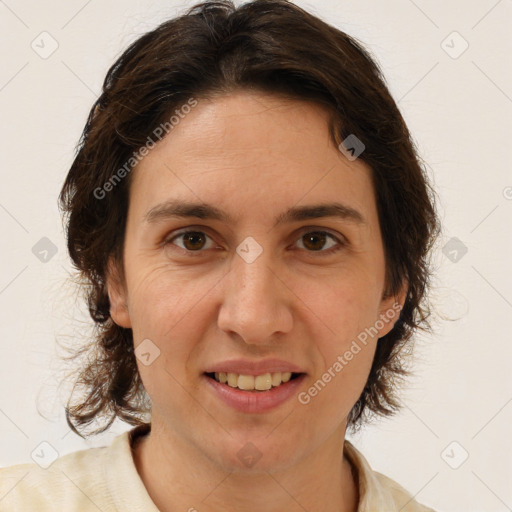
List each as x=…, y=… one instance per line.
x=213, y=49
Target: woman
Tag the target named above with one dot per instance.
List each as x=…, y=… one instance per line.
x=253, y=226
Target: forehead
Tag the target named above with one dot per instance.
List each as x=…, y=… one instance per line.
x=247, y=150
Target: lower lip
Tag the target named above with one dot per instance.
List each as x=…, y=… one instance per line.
x=255, y=401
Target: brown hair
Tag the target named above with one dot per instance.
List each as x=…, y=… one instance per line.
x=216, y=48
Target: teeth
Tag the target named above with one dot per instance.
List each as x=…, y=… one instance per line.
x=246, y=382
x=250, y=382
x=232, y=380
x=263, y=382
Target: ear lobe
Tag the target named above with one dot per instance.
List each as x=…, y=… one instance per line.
x=390, y=311
x=117, y=297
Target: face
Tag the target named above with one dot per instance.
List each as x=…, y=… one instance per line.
x=260, y=280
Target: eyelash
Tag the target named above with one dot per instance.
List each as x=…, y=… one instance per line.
x=340, y=243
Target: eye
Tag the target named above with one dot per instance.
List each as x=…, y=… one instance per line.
x=193, y=241
x=313, y=241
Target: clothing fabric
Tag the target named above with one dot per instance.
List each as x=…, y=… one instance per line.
x=106, y=479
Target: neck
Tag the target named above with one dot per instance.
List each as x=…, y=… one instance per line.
x=179, y=478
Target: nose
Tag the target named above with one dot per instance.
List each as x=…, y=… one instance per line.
x=256, y=301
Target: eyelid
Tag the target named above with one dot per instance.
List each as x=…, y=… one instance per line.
x=317, y=229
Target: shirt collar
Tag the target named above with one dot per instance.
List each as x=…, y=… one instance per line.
x=125, y=485
x=372, y=494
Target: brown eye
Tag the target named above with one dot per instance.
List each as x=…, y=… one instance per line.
x=312, y=241
x=315, y=241
x=192, y=241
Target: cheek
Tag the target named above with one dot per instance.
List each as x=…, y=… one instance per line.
x=343, y=310
x=332, y=394
x=161, y=297
x=344, y=302
x=169, y=307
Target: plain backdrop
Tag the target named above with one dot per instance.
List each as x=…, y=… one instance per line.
x=447, y=65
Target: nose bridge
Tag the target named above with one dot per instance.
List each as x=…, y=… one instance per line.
x=253, y=279
x=253, y=303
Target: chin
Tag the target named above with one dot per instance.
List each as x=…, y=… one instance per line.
x=258, y=454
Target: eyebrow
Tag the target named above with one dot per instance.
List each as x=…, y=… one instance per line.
x=183, y=209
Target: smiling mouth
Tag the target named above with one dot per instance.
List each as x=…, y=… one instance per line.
x=254, y=383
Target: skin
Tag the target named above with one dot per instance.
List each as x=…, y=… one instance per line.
x=253, y=155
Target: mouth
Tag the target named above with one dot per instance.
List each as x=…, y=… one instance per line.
x=252, y=394
x=254, y=383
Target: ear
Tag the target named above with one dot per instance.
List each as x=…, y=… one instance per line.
x=117, y=296
x=390, y=308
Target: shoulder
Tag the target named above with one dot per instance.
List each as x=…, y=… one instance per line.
x=72, y=482
x=103, y=478
x=376, y=490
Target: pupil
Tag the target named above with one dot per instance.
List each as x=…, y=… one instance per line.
x=193, y=237
x=317, y=236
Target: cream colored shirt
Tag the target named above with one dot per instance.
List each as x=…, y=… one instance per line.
x=105, y=479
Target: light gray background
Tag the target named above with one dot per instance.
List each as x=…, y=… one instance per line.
x=458, y=108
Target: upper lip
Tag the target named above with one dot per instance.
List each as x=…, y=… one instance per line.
x=247, y=367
